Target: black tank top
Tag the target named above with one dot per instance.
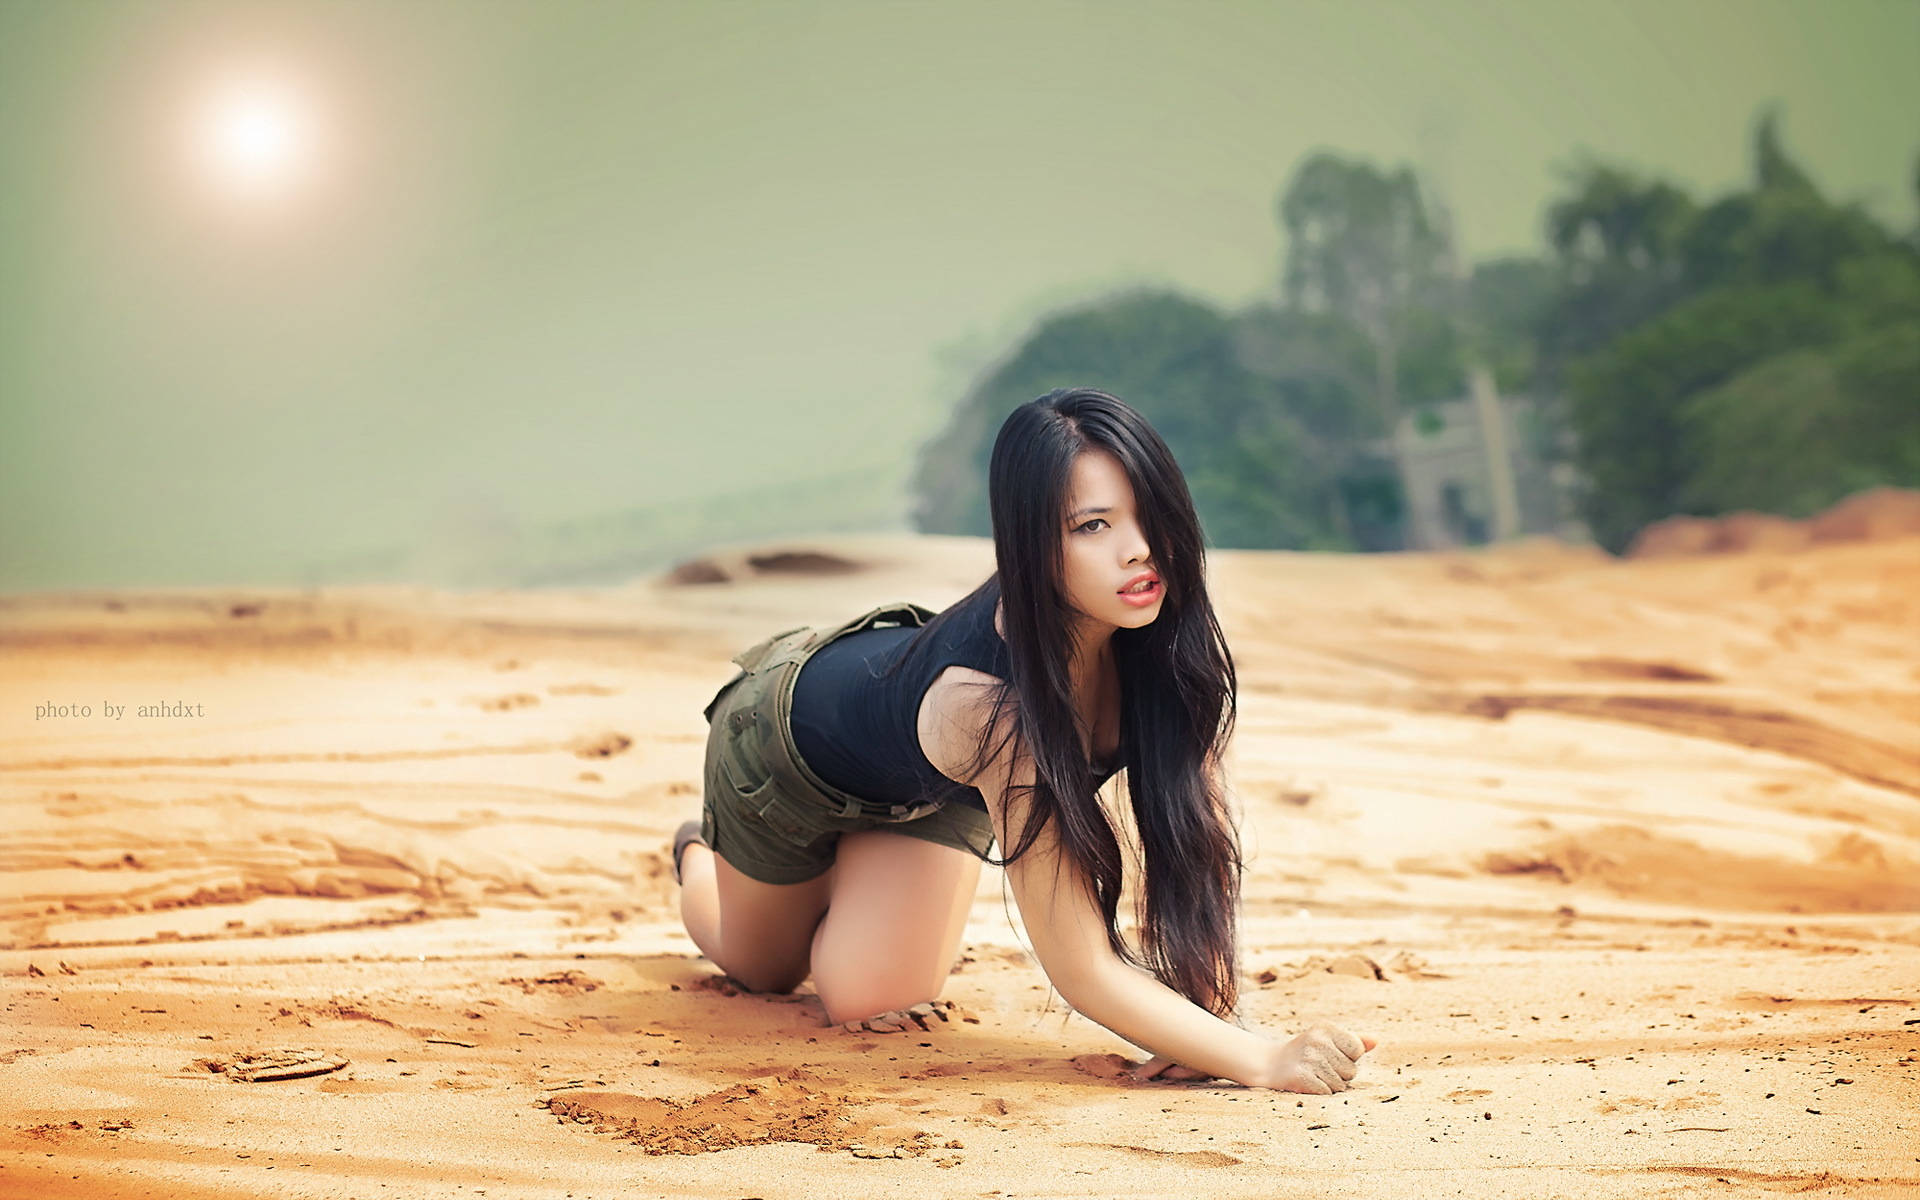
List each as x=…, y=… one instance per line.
x=859, y=732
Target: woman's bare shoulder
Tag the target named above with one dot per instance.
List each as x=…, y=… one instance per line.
x=953, y=712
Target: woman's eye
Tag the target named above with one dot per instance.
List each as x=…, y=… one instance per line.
x=1090, y=524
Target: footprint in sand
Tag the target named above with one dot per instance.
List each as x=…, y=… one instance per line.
x=1103, y=1066
x=1112, y=1066
x=565, y=983
x=1185, y=1158
x=1357, y=965
x=267, y=1066
x=793, y=1106
x=600, y=745
x=508, y=702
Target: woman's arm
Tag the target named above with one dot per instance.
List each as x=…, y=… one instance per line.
x=1069, y=937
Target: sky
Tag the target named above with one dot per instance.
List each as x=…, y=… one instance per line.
x=282, y=283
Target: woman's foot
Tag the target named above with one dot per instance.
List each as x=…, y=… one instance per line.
x=688, y=833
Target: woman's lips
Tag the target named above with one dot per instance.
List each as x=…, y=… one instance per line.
x=1144, y=596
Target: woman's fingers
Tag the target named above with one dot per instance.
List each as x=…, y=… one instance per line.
x=1345, y=1042
x=1330, y=1068
x=1152, y=1068
x=1163, y=1068
x=1323, y=1059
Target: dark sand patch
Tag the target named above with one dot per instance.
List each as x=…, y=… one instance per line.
x=795, y=1106
x=1853, y=874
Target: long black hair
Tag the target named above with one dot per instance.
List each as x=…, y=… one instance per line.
x=1177, y=685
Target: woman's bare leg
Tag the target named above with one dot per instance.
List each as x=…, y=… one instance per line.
x=760, y=934
x=896, y=911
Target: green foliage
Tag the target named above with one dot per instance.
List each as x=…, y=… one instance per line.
x=1801, y=430
x=1362, y=244
x=1430, y=366
x=1365, y=245
x=1742, y=355
x=1766, y=237
x=1759, y=351
x=1176, y=360
x=1773, y=170
x=1359, y=240
x=1508, y=298
x=1321, y=362
x=1325, y=367
x=1625, y=399
x=1610, y=217
x=1880, y=290
x=1321, y=369
x=1616, y=239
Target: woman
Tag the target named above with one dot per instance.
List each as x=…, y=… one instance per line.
x=856, y=775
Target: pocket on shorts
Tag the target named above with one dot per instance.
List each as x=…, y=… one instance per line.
x=783, y=815
x=742, y=765
x=757, y=795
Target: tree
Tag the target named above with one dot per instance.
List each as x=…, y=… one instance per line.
x=1509, y=298
x=1913, y=238
x=1360, y=243
x=1319, y=369
x=1625, y=399
x=1476, y=348
x=1738, y=388
x=1773, y=170
x=1799, y=430
x=1176, y=360
x=1780, y=230
x=1802, y=430
x=1611, y=221
x=1616, y=242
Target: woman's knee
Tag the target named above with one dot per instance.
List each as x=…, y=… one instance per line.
x=761, y=978
x=852, y=989
x=853, y=1000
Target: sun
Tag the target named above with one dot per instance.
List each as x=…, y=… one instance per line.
x=256, y=138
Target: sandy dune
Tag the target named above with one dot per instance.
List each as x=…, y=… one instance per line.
x=1620, y=861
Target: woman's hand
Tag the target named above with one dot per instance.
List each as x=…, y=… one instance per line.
x=1162, y=1067
x=1319, y=1061
x=1071, y=939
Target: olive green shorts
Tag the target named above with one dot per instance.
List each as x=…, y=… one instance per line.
x=764, y=810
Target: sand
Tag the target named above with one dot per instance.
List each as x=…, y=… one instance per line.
x=1620, y=861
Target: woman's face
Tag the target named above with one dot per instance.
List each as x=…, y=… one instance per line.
x=1105, y=549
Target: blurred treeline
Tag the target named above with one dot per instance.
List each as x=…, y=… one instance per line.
x=1760, y=350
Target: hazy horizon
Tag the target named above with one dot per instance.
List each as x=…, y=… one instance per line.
x=547, y=262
